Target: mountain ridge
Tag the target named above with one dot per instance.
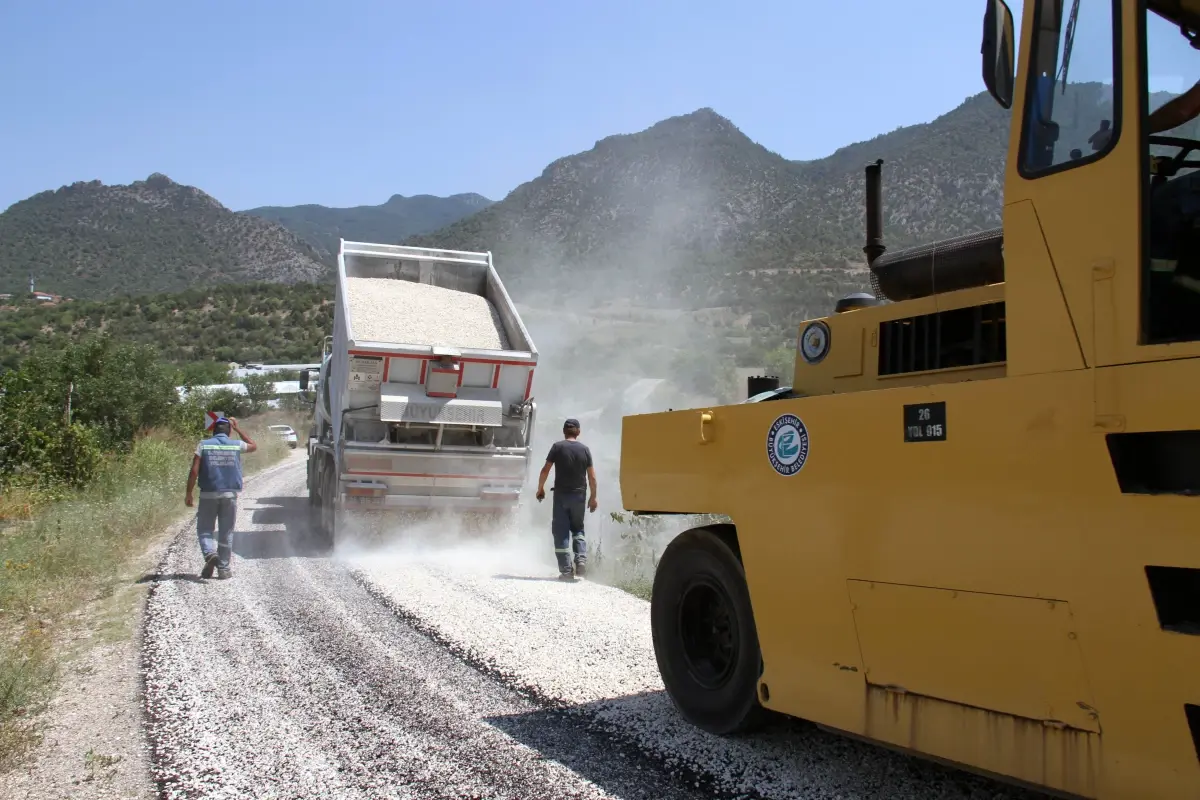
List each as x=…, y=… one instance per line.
x=94, y=239
x=687, y=212
x=397, y=217
x=692, y=211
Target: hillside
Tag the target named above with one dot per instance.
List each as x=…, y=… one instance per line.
x=392, y=221
x=92, y=240
x=691, y=211
x=258, y=322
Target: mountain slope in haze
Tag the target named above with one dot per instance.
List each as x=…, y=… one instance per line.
x=688, y=185
x=396, y=219
x=92, y=240
x=687, y=212
x=691, y=210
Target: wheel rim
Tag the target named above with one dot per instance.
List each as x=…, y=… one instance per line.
x=708, y=632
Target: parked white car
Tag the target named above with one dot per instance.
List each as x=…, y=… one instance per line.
x=286, y=432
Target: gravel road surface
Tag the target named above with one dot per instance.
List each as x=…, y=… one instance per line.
x=446, y=668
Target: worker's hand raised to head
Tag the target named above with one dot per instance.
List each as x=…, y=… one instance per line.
x=233, y=423
x=541, y=495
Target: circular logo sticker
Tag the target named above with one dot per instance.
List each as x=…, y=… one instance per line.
x=787, y=444
x=814, y=342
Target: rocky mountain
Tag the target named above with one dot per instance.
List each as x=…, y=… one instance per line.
x=689, y=212
x=92, y=240
x=396, y=219
x=692, y=211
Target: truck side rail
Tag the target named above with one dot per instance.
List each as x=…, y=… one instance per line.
x=416, y=253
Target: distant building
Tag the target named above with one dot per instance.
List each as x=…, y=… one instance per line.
x=239, y=371
x=42, y=297
x=280, y=389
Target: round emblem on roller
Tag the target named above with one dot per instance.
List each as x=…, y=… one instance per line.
x=787, y=444
x=814, y=342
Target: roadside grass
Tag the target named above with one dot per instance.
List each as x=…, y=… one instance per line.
x=627, y=549
x=625, y=552
x=639, y=586
x=60, y=557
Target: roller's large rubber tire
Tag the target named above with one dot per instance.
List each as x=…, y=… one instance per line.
x=705, y=640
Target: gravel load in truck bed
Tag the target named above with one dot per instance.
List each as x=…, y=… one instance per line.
x=404, y=312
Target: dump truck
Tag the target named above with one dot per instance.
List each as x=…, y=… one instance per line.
x=973, y=532
x=424, y=396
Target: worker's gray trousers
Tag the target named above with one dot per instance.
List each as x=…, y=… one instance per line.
x=216, y=515
x=567, y=527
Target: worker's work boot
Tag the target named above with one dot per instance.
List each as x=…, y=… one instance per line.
x=580, y=569
x=224, y=574
x=210, y=563
x=566, y=576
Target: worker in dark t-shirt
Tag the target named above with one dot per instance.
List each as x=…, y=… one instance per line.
x=572, y=462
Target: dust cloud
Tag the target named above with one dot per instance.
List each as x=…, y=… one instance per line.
x=611, y=330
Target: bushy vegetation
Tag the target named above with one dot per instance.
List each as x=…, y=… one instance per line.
x=75, y=551
x=63, y=410
x=625, y=550
x=95, y=447
x=200, y=330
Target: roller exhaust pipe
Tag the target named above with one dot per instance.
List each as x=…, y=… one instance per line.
x=874, y=247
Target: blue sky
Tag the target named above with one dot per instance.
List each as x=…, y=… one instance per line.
x=344, y=103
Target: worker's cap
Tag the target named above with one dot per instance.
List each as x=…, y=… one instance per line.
x=219, y=420
x=571, y=423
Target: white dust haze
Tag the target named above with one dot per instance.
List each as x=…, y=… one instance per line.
x=608, y=327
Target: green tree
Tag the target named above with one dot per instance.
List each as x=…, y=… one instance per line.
x=259, y=389
x=66, y=405
x=203, y=373
x=224, y=400
x=781, y=362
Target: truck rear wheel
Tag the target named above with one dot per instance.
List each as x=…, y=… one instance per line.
x=329, y=485
x=314, y=496
x=705, y=640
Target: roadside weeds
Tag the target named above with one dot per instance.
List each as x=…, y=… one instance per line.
x=65, y=574
x=627, y=548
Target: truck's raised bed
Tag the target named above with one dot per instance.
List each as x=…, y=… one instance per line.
x=426, y=392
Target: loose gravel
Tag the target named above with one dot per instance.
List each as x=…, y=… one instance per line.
x=292, y=681
x=405, y=312
x=446, y=668
x=587, y=648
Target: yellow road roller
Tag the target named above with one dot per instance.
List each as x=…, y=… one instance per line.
x=971, y=530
